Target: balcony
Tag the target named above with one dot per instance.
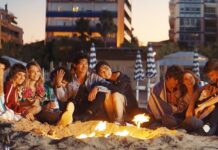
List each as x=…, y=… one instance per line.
x=211, y=16
x=211, y=30
x=77, y=14
x=210, y=1
x=65, y=29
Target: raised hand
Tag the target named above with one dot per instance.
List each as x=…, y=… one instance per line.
x=59, y=78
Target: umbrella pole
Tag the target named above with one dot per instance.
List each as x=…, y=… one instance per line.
x=137, y=91
x=148, y=88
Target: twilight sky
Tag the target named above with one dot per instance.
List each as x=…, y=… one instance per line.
x=149, y=18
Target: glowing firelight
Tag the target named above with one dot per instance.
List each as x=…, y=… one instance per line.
x=101, y=126
x=139, y=119
x=82, y=136
x=122, y=133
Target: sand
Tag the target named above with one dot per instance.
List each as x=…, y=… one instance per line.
x=25, y=134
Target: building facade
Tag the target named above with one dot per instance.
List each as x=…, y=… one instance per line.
x=61, y=17
x=9, y=31
x=193, y=22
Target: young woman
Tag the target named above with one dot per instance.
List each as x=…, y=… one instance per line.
x=14, y=81
x=5, y=112
x=121, y=98
x=190, y=90
x=33, y=91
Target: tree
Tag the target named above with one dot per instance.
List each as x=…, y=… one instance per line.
x=167, y=48
x=106, y=25
x=82, y=26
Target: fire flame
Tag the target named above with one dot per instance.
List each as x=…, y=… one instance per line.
x=139, y=119
x=122, y=133
x=101, y=126
x=82, y=136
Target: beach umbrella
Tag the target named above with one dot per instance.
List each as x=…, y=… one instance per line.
x=139, y=73
x=92, y=57
x=196, y=66
x=151, y=70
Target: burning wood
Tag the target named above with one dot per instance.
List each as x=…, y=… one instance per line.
x=139, y=119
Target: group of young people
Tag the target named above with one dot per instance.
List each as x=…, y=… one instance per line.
x=75, y=94
x=178, y=101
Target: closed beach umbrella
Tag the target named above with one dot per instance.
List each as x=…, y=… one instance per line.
x=92, y=57
x=196, y=66
x=151, y=70
x=139, y=73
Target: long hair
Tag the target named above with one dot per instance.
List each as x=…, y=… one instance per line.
x=183, y=87
x=41, y=78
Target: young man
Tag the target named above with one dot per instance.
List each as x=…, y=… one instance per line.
x=83, y=90
x=209, y=104
x=165, y=104
x=121, y=98
x=164, y=95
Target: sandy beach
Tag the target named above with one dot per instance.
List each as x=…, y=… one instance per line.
x=24, y=135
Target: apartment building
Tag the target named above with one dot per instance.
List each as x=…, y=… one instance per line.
x=193, y=22
x=61, y=17
x=9, y=31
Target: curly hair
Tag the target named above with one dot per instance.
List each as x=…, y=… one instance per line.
x=175, y=72
x=15, y=69
x=41, y=79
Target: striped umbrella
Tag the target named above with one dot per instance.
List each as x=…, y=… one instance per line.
x=196, y=66
x=92, y=57
x=139, y=73
x=150, y=69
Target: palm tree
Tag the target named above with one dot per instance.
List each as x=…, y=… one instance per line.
x=106, y=25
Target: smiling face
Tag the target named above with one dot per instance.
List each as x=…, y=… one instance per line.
x=19, y=78
x=213, y=76
x=82, y=66
x=189, y=80
x=105, y=72
x=34, y=73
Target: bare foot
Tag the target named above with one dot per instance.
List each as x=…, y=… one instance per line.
x=67, y=116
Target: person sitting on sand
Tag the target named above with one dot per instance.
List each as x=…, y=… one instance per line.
x=5, y=112
x=121, y=99
x=15, y=79
x=4, y=65
x=33, y=91
x=51, y=112
x=207, y=102
x=162, y=103
x=83, y=90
